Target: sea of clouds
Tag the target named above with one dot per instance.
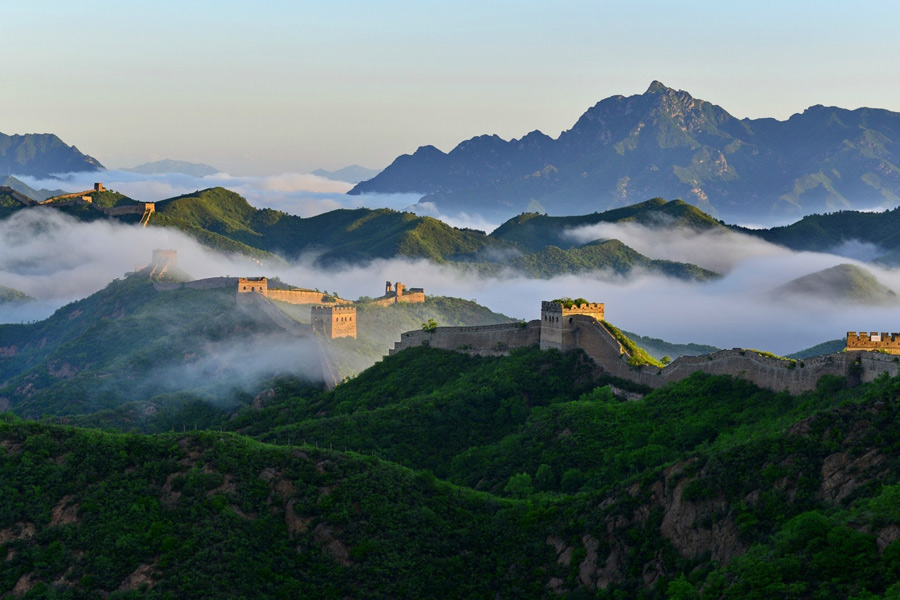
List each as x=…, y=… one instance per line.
x=57, y=259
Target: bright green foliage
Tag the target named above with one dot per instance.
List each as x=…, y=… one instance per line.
x=637, y=356
x=537, y=232
x=569, y=302
x=217, y=214
x=603, y=255
x=430, y=326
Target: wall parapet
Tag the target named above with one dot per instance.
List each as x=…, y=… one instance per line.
x=873, y=342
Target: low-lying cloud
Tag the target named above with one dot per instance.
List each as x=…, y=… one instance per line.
x=56, y=259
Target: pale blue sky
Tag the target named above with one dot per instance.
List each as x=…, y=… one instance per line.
x=276, y=86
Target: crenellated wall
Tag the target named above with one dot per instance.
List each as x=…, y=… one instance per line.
x=588, y=334
x=884, y=342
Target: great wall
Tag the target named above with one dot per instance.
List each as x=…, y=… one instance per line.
x=330, y=317
x=85, y=198
x=581, y=327
x=562, y=326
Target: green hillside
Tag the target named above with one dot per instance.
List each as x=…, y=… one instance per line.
x=535, y=231
x=340, y=235
x=533, y=244
x=658, y=348
x=608, y=255
x=824, y=232
x=824, y=348
x=847, y=283
x=436, y=473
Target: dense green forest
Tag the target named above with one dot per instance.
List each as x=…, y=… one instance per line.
x=437, y=474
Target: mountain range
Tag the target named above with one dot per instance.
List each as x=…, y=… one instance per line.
x=666, y=143
x=42, y=155
x=351, y=174
x=173, y=166
x=224, y=220
x=534, y=244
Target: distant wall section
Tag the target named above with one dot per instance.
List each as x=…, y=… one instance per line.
x=399, y=293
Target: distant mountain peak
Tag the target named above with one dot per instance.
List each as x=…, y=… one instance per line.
x=658, y=87
x=168, y=165
x=42, y=155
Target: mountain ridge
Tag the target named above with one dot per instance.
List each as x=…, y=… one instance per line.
x=42, y=155
x=666, y=143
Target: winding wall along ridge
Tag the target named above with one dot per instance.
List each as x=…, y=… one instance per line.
x=608, y=354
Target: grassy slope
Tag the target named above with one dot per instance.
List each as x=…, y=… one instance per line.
x=823, y=232
x=341, y=234
x=658, y=348
x=846, y=282
x=116, y=352
x=535, y=231
x=609, y=255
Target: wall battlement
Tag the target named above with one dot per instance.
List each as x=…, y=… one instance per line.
x=873, y=341
x=337, y=309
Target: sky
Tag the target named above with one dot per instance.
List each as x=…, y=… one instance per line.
x=276, y=86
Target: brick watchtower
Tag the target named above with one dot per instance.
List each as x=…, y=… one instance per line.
x=334, y=321
x=557, y=320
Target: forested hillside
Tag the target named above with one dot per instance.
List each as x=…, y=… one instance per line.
x=435, y=473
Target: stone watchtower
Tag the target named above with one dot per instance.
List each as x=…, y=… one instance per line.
x=334, y=321
x=557, y=320
x=260, y=285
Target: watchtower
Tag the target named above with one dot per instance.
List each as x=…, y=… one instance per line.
x=260, y=285
x=334, y=321
x=98, y=187
x=558, y=319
